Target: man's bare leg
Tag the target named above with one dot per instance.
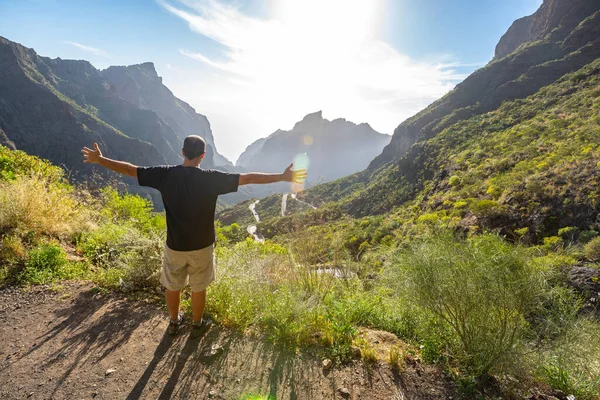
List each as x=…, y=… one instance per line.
x=198, y=304
x=173, y=299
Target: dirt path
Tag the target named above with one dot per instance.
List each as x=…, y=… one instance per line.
x=79, y=344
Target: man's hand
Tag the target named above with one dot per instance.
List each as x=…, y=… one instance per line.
x=95, y=157
x=298, y=176
x=92, y=156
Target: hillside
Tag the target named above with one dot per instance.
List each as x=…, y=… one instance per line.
x=463, y=262
x=53, y=107
x=561, y=37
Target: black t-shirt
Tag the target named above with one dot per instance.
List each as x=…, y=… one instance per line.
x=190, y=198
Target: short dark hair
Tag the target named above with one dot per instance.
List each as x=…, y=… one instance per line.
x=193, y=146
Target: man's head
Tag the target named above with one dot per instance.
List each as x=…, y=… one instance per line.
x=194, y=148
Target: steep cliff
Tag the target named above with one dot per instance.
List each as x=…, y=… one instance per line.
x=53, y=107
x=140, y=85
x=38, y=118
x=561, y=37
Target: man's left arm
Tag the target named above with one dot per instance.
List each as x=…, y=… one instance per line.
x=95, y=157
x=259, y=178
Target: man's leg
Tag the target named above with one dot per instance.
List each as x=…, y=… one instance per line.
x=173, y=298
x=198, y=304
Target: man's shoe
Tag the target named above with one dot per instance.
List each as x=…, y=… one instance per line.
x=200, y=328
x=175, y=325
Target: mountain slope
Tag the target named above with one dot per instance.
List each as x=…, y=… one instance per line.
x=53, y=107
x=38, y=118
x=140, y=85
x=568, y=33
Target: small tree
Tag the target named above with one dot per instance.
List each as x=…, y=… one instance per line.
x=480, y=287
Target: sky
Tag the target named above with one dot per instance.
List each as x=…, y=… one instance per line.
x=256, y=66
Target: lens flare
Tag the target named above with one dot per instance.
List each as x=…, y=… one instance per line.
x=296, y=187
x=301, y=161
x=307, y=139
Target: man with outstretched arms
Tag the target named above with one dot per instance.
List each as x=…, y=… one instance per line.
x=189, y=194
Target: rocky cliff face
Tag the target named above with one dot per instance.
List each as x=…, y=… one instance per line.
x=53, y=107
x=558, y=17
x=334, y=148
x=140, y=85
x=559, y=38
x=37, y=117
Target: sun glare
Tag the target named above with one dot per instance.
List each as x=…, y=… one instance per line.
x=330, y=22
x=304, y=56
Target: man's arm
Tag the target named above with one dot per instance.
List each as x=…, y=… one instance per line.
x=95, y=157
x=287, y=176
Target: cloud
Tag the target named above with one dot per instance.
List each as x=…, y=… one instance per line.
x=92, y=50
x=172, y=68
x=311, y=55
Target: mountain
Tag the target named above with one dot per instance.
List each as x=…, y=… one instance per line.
x=334, y=148
x=141, y=86
x=560, y=37
x=53, y=107
x=515, y=147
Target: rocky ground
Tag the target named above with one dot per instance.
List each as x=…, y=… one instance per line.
x=78, y=343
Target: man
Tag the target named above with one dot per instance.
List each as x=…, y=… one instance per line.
x=190, y=196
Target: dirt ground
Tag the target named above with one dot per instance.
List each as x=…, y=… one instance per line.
x=76, y=343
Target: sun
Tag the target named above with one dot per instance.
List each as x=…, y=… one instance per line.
x=331, y=22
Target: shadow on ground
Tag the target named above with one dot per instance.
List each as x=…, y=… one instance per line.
x=81, y=336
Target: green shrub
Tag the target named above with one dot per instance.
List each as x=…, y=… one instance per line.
x=131, y=209
x=553, y=243
x=572, y=364
x=592, y=249
x=484, y=208
x=568, y=233
x=454, y=181
x=480, y=287
x=48, y=263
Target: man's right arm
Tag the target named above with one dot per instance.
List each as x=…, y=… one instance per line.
x=95, y=157
x=259, y=178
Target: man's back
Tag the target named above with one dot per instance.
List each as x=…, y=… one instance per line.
x=190, y=196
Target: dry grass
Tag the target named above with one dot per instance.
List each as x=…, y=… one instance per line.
x=32, y=204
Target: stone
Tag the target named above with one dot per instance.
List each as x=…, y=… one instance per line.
x=344, y=392
x=327, y=364
x=110, y=371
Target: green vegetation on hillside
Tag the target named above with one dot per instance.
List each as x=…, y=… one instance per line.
x=464, y=247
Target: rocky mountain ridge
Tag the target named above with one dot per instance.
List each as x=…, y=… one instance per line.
x=333, y=148
x=562, y=36
x=53, y=107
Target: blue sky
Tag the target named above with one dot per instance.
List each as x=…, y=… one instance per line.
x=255, y=66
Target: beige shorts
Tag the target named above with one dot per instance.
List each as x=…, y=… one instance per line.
x=197, y=266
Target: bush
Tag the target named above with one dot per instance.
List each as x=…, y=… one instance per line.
x=480, y=288
x=48, y=263
x=132, y=210
x=484, y=208
x=572, y=364
x=592, y=249
x=32, y=204
x=454, y=181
